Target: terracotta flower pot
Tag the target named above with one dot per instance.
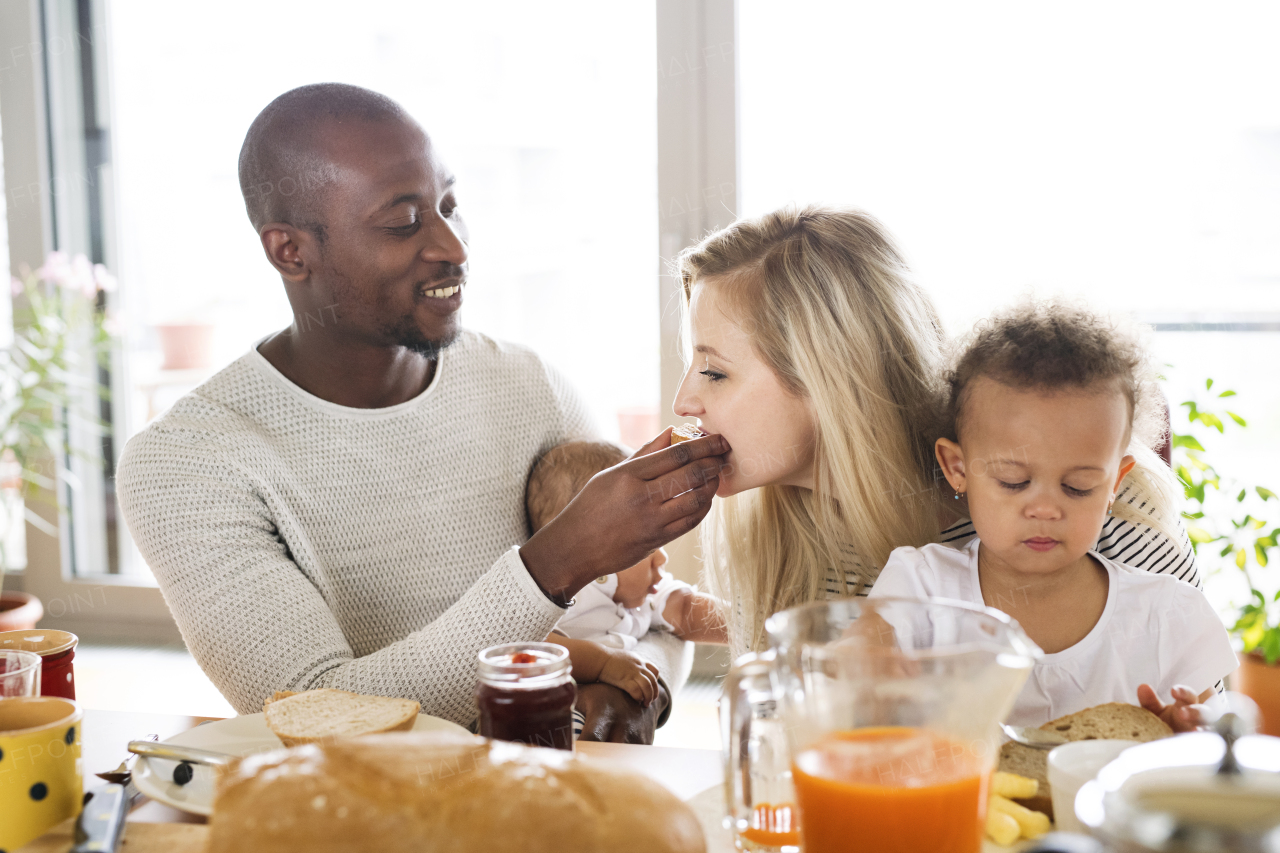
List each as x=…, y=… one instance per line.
x=19, y=610
x=1261, y=682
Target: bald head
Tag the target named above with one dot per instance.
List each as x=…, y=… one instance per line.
x=285, y=168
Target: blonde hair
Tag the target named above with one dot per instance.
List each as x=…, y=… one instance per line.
x=831, y=307
x=1053, y=344
x=561, y=473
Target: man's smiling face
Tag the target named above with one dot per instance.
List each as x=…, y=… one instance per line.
x=394, y=255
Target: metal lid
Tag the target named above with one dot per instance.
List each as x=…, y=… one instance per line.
x=1201, y=791
x=548, y=666
x=40, y=641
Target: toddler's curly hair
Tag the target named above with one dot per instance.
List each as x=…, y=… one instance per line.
x=1053, y=344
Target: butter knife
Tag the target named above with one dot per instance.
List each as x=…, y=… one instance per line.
x=174, y=752
x=101, y=823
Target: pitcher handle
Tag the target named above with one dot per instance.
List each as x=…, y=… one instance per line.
x=753, y=739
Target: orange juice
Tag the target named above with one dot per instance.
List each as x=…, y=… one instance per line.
x=772, y=826
x=890, y=790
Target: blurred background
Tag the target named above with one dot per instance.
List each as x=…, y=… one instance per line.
x=1125, y=152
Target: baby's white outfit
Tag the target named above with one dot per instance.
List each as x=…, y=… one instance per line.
x=597, y=617
x=1154, y=630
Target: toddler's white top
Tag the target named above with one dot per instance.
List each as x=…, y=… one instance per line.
x=597, y=617
x=1154, y=630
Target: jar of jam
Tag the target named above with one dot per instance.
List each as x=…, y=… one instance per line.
x=526, y=694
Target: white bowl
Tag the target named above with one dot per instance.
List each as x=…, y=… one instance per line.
x=1070, y=766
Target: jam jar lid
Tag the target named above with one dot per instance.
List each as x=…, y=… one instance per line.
x=524, y=665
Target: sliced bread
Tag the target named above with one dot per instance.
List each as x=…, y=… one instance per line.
x=1114, y=720
x=321, y=715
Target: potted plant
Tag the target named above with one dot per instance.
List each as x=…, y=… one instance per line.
x=60, y=332
x=1233, y=526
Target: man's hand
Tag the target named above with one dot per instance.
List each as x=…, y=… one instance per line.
x=614, y=716
x=1183, y=715
x=625, y=513
x=631, y=673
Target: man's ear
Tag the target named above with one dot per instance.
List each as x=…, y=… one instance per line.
x=951, y=459
x=1126, y=465
x=288, y=249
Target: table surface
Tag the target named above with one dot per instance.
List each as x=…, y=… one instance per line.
x=685, y=772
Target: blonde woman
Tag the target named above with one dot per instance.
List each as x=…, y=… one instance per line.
x=819, y=359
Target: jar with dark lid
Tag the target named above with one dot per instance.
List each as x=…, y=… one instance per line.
x=526, y=694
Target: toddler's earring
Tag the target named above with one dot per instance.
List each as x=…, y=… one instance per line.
x=958, y=494
x=1109, y=503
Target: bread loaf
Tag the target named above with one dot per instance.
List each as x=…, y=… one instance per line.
x=316, y=715
x=422, y=792
x=1114, y=720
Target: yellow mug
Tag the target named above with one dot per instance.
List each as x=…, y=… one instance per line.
x=41, y=776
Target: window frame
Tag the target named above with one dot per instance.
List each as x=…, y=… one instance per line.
x=697, y=119
x=42, y=112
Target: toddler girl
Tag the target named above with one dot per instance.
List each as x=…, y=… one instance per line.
x=1041, y=407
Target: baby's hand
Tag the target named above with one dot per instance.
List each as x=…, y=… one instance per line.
x=1182, y=716
x=628, y=672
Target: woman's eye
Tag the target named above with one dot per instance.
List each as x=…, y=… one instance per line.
x=1078, y=493
x=448, y=211
x=1014, y=487
x=713, y=375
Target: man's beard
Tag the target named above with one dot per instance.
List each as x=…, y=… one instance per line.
x=407, y=334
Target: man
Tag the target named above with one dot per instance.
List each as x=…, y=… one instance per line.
x=342, y=506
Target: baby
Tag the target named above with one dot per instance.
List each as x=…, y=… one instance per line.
x=610, y=615
x=1042, y=406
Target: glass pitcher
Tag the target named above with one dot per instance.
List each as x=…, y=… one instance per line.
x=870, y=724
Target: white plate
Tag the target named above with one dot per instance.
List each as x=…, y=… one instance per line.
x=235, y=736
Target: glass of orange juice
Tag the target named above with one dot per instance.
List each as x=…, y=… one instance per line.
x=870, y=725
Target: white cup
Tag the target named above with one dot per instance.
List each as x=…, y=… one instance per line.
x=1070, y=766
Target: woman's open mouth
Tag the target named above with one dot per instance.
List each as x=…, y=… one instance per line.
x=1040, y=543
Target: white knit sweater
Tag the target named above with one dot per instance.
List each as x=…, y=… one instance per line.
x=304, y=544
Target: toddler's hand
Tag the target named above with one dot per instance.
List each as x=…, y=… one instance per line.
x=1182, y=716
x=628, y=672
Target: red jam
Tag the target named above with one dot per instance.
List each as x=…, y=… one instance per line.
x=526, y=694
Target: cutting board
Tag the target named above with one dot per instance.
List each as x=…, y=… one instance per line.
x=191, y=837
x=138, y=838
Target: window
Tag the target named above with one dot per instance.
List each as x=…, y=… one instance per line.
x=547, y=119
x=1126, y=153
x=546, y=115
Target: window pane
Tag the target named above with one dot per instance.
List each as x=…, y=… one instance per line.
x=546, y=114
x=1129, y=152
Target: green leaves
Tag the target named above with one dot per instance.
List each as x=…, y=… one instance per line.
x=1201, y=536
x=1230, y=515
x=45, y=373
x=1187, y=441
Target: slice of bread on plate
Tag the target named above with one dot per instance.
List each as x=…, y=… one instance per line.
x=1114, y=720
x=321, y=715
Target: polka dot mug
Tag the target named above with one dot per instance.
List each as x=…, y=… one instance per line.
x=41, y=779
